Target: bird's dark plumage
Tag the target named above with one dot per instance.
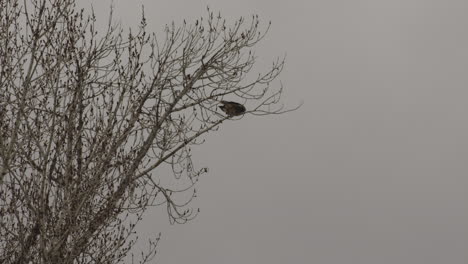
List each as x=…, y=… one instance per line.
x=232, y=108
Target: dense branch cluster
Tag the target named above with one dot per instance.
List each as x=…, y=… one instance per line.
x=90, y=122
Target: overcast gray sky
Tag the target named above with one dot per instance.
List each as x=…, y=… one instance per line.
x=372, y=169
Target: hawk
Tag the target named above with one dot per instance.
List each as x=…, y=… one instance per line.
x=232, y=108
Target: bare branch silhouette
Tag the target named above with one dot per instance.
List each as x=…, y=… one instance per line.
x=91, y=122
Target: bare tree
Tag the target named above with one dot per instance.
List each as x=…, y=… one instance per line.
x=90, y=122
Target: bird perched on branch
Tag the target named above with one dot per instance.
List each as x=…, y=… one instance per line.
x=232, y=108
